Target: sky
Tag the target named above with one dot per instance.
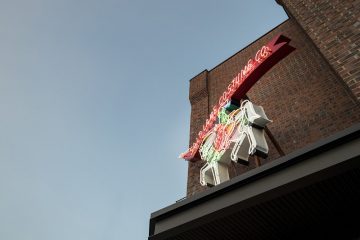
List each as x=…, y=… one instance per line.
x=94, y=107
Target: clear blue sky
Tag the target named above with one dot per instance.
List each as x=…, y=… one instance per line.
x=94, y=107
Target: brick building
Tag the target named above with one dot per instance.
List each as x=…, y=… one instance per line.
x=312, y=96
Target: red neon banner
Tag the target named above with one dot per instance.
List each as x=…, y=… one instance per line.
x=265, y=58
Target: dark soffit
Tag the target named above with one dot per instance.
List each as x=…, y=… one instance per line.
x=271, y=193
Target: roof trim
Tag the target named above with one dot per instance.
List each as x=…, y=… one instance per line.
x=298, y=156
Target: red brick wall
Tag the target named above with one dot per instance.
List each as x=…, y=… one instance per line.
x=303, y=95
x=199, y=100
x=334, y=26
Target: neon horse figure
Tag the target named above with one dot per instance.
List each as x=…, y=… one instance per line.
x=238, y=134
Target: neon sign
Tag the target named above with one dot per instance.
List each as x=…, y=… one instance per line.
x=239, y=134
x=265, y=58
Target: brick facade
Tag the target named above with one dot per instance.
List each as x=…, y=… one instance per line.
x=309, y=95
x=334, y=26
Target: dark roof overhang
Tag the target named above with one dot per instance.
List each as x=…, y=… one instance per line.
x=313, y=192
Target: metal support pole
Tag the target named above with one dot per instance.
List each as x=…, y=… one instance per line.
x=257, y=161
x=273, y=140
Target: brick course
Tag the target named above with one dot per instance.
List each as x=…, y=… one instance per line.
x=304, y=94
